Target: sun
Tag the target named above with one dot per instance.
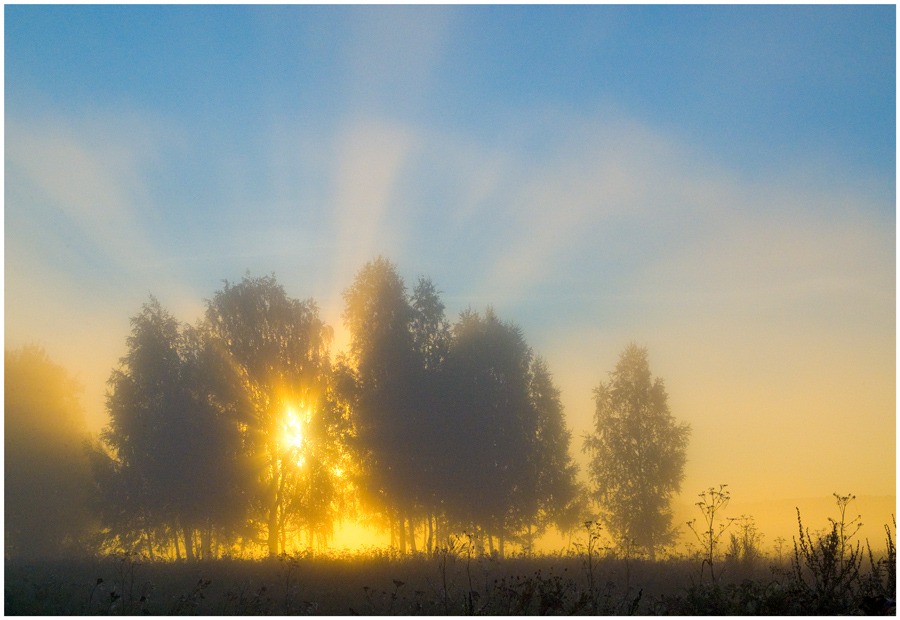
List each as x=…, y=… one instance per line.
x=294, y=437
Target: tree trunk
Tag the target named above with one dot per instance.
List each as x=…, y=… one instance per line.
x=412, y=535
x=188, y=544
x=500, y=545
x=438, y=532
x=393, y=533
x=205, y=542
x=477, y=540
x=402, y=535
x=175, y=540
x=490, y=544
x=149, y=543
x=272, y=538
x=430, y=542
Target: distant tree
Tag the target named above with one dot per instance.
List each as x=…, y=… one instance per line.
x=555, y=472
x=490, y=431
x=431, y=340
x=47, y=474
x=279, y=348
x=637, y=454
x=456, y=428
x=213, y=497
x=144, y=400
x=387, y=373
x=169, y=460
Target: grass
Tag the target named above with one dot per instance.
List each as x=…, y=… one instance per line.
x=825, y=574
x=365, y=584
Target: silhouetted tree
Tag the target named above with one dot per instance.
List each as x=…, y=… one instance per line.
x=169, y=458
x=279, y=347
x=46, y=475
x=489, y=432
x=431, y=340
x=638, y=453
x=144, y=402
x=213, y=498
x=388, y=374
x=555, y=487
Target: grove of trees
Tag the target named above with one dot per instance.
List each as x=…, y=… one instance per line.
x=241, y=434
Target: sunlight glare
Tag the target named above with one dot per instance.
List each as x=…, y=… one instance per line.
x=293, y=431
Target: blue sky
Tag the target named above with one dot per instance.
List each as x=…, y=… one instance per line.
x=715, y=183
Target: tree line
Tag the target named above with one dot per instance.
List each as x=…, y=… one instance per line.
x=242, y=434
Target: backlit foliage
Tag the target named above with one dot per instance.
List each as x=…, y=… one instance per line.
x=241, y=436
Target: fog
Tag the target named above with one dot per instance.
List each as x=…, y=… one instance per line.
x=595, y=176
x=755, y=446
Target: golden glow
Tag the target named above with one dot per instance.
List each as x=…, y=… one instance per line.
x=295, y=433
x=292, y=431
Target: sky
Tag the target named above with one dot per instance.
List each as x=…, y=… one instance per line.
x=717, y=184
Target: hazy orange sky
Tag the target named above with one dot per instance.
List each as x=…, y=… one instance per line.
x=714, y=183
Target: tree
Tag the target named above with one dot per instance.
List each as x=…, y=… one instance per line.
x=431, y=331
x=431, y=340
x=489, y=436
x=169, y=461
x=213, y=498
x=461, y=426
x=279, y=348
x=499, y=447
x=556, y=486
x=47, y=475
x=143, y=402
x=638, y=453
x=388, y=375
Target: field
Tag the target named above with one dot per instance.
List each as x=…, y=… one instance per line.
x=813, y=579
